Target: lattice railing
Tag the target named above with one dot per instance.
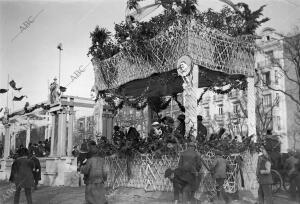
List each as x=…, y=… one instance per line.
x=207, y=47
x=147, y=172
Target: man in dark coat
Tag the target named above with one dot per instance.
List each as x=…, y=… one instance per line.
x=179, y=132
x=96, y=171
x=22, y=176
x=180, y=186
x=264, y=178
x=202, y=131
x=37, y=170
x=219, y=167
x=191, y=162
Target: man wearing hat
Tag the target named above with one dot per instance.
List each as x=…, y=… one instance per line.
x=96, y=170
x=155, y=131
x=180, y=186
x=202, y=131
x=180, y=129
x=219, y=167
x=191, y=162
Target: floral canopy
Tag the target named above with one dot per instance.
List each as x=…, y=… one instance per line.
x=216, y=54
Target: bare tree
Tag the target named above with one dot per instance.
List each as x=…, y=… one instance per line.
x=289, y=67
x=264, y=113
x=294, y=140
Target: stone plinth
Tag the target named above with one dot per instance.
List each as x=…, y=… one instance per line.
x=5, y=166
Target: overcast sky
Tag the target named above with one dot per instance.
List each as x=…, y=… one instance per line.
x=31, y=58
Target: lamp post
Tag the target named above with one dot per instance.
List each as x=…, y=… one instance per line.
x=59, y=47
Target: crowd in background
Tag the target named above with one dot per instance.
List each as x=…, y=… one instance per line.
x=40, y=149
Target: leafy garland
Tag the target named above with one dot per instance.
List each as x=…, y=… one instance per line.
x=132, y=34
x=240, y=83
x=157, y=104
x=160, y=147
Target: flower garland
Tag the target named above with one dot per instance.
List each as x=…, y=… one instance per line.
x=217, y=85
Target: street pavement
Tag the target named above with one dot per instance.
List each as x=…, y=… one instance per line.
x=75, y=195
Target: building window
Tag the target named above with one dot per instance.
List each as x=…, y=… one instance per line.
x=267, y=100
x=235, y=128
x=268, y=38
x=220, y=110
x=277, y=99
x=235, y=108
x=206, y=111
x=81, y=125
x=266, y=78
x=276, y=77
x=278, y=121
x=270, y=54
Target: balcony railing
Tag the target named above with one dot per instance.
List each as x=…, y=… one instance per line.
x=234, y=94
x=219, y=117
x=205, y=100
x=218, y=97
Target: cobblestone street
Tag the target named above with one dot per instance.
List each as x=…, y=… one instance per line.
x=75, y=195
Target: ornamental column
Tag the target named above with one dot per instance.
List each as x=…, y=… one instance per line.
x=5, y=122
x=189, y=73
x=6, y=142
x=61, y=133
x=70, y=131
x=53, y=135
x=13, y=140
x=28, y=133
x=98, y=113
x=251, y=107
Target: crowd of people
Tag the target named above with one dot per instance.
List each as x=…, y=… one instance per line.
x=40, y=149
x=164, y=133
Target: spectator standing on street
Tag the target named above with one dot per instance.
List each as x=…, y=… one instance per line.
x=22, y=176
x=96, y=172
x=180, y=182
x=219, y=167
x=191, y=162
x=1, y=149
x=36, y=170
x=264, y=177
x=291, y=167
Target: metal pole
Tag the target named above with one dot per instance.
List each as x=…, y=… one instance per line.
x=59, y=47
x=59, y=68
x=7, y=91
